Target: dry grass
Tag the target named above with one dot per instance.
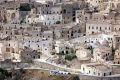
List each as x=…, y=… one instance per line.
x=42, y=75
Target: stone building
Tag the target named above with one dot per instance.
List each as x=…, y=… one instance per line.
x=117, y=57
x=96, y=69
x=99, y=23
x=102, y=54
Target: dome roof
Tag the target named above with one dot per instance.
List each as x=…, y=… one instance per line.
x=105, y=43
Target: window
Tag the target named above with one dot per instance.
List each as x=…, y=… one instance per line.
x=13, y=50
x=96, y=27
x=64, y=11
x=98, y=54
x=100, y=28
x=118, y=62
x=98, y=74
x=89, y=27
x=110, y=73
x=109, y=28
x=89, y=72
x=106, y=54
x=62, y=52
x=39, y=56
x=118, y=40
x=108, y=38
x=34, y=57
x=104, y=74
x=92, y=32
x=85, y=18
x=68, y=36
x=66, y=52
x=7, y=49
x=83, y=68
x=43, y=44
x=79, y=31
x=105, y=28
x=37, y=34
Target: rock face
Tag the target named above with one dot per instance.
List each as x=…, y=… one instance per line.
x=38, y=75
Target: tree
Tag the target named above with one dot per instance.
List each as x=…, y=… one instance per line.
x=70, y=57
x=76, y=78
x=4, y=74
x=25, y=7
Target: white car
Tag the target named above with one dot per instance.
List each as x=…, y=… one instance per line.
x=57, y=72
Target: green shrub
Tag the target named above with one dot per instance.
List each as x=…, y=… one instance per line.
x=25, y=7
x=70, y=57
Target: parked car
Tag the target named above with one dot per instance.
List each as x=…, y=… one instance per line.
x=57, y=72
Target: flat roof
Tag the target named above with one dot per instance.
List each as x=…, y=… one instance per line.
x=99, y=66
